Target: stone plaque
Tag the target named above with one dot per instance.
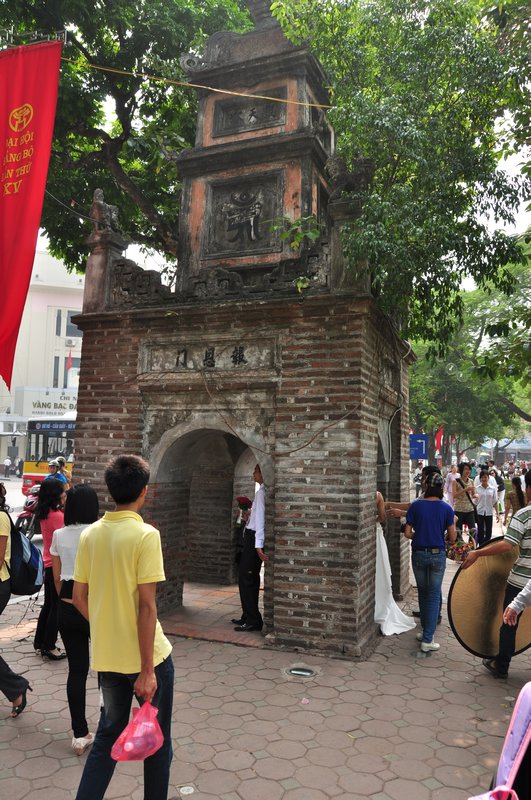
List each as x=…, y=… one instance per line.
x=184, y=356
x=240, y=216
x=242, y=114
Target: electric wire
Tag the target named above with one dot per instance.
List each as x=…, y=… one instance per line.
x=186, y=84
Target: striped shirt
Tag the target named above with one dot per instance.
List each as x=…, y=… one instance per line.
x=519, y=532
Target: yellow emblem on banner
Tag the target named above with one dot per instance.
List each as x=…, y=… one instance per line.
x=20, y=117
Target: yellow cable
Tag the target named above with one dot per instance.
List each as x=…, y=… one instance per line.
x=196, y=85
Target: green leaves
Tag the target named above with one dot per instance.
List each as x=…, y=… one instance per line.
x=422, y=88
x=120, y=132
x=299, y=232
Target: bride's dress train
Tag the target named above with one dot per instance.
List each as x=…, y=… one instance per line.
x=386, y=612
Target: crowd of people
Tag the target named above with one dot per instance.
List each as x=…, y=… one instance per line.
x=106, y=570
x=464, y=504
x=119, y=558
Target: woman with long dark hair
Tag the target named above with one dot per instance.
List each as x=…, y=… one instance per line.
x=13, y=686
x=515, y=499
x=81, y=510
x=49, y=512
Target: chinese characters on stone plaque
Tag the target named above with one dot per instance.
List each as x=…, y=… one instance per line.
x=238, y=356
x=210, y=358
x=222, y=355
x=182, y=358
x=245, y=114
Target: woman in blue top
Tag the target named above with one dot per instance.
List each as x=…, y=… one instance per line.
x=426, y=523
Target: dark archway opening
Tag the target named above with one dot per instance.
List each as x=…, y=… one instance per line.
x=199, y=476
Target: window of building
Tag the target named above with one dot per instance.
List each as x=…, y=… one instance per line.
x=56, y=372
x=58, y=322
x=71, y=329
x=71, y=373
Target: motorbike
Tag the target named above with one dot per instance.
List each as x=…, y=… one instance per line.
x=27, y=522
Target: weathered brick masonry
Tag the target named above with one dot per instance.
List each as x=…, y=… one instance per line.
x=316, y=413
x=237, y=367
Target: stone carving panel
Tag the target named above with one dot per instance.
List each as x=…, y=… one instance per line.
x=185, y=355
x=243, y=114
x=132, y=285
x=240, y=216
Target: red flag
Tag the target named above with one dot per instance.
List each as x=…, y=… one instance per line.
x=438, y=438
x=69, y=361
x=29, y=77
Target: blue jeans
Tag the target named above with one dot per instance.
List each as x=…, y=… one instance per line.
x=429, y=573
x=117, y=690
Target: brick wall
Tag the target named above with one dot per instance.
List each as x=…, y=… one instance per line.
x=210, y=546
x=314, y=410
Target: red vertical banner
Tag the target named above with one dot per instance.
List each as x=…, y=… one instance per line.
x=439, y=438
x=29, y=78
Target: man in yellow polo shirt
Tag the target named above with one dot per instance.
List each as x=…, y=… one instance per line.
x=118, y=566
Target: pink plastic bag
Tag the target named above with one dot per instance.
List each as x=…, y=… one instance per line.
x=141, y=737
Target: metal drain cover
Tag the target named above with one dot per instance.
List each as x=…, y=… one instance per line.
x=301, y=672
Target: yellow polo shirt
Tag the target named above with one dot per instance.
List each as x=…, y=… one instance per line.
x=5, y=530
x=115, y=555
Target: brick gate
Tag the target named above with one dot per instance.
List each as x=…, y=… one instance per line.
x=237, y=366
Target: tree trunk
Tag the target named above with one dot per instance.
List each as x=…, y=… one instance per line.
x=431, y=448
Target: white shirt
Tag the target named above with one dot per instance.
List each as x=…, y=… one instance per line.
x=488, y=498
x=65, y=542
x=523, y=599
x=492, y=482
x=257, y=519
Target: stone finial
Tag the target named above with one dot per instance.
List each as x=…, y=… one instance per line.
x=357, y=180
x=104, y=217
x=261, y=14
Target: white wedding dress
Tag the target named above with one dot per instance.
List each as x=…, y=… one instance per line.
x=386, y=612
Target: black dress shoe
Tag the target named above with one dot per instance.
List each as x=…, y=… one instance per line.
x=53, y=655
x=245, y=628
x=238, y=621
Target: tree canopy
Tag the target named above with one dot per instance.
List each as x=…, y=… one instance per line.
x=432, y=90
x=128, y=156
x=449, y=393
x=424, y=88
x=499, y=328
x=479, y=389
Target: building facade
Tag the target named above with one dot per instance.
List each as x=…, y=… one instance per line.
x=48, y=354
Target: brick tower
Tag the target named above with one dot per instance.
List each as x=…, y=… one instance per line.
x=237, y=366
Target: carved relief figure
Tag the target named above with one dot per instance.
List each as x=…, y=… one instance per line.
x=243, y=216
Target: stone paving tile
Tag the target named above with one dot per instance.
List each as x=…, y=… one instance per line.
x=242, y=731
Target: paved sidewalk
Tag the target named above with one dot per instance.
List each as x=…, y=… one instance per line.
x=395, y=727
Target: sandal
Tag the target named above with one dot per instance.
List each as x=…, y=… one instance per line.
x=17, y=710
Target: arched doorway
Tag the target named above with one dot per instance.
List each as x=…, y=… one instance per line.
x=197, y=471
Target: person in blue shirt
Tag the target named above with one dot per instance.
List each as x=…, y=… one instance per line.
x=55, y=472
x=427, y=520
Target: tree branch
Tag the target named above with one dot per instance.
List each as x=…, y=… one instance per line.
x=513, y=407
x=147, y=208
